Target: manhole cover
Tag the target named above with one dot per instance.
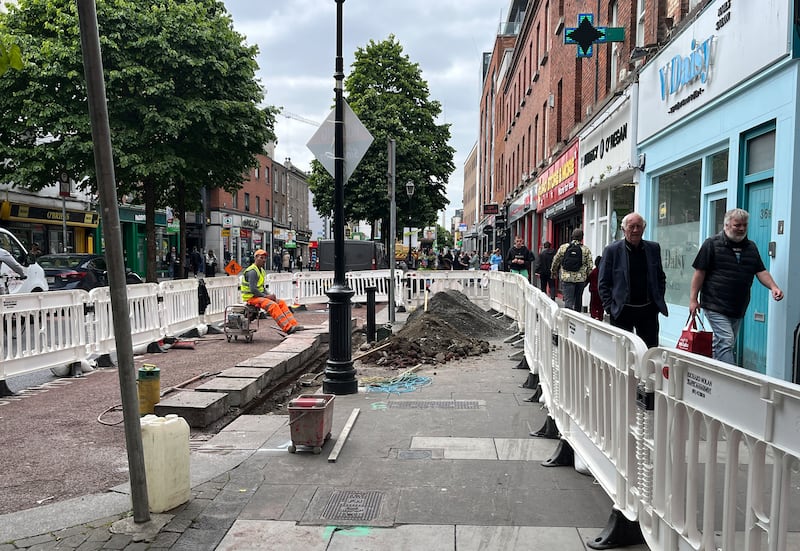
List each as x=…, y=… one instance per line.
x=437, y=404
x=352, y=505
x=414, y=454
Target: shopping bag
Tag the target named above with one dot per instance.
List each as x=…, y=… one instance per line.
x=695, y=339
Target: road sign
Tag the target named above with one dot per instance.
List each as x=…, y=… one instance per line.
x=357, y=140
x=233, y=268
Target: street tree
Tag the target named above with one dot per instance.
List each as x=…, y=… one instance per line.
x=387, y=92
x=183, y=102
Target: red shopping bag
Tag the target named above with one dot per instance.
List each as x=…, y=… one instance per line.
x=694, y=339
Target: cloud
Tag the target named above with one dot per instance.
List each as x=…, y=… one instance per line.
x=297, y=40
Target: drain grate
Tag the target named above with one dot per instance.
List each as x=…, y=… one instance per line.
x=437, y=404
x=352, y=505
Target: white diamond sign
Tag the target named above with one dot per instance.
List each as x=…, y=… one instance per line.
x=357, y=140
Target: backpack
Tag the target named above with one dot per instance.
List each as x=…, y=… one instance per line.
x=573, y=258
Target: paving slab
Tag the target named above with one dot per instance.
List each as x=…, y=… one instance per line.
x=260, y=374
x=287, y=536
x=278, y=362
x=199, y=409
x=240, y=391
x=267, y=424
x=421, y=536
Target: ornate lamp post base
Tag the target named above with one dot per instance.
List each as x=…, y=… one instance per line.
x=340, y=377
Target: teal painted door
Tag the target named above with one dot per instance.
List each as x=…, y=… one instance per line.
x=753, y=337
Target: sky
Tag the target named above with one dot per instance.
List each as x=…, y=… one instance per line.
x=297, y=51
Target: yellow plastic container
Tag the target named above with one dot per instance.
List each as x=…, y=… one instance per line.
x=165, y=442
x=149, y=386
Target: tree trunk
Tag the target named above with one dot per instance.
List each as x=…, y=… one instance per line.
x=151, y=250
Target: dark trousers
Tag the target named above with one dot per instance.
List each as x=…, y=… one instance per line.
x=544, y=282
x=573, y=295
x=642, y=319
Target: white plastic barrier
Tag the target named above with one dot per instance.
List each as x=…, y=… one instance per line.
x=312, y=286
x=359, y=281
x=283, y=286
x=179, y=305
x=143, y=312
x=594, y=402
x=719, y=464
x=222, y=291
x=42, y=330
x=473, y=283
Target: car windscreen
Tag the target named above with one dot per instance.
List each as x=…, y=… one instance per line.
x=60, y=261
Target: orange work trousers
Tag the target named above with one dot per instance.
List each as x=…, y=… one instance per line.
x=278, y=310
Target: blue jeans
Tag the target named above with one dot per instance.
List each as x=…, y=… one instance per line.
x=725, y=330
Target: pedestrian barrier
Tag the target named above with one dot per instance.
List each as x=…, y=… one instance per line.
x=143, y=311
x=703, y=455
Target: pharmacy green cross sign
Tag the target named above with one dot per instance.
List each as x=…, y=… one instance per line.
x=586, y=34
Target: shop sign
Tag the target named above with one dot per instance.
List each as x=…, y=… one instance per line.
x=558, y=208
x=521, y=205
x=174, y=226
x=227, y=221
x=250, y=223
x=709, y=57
x=559, y=180
x=245, y=234
x=26, y=213
x=226, y=232
x=491, y=208
x=605, y=150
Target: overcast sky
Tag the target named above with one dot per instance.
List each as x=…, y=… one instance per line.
x=297, y=44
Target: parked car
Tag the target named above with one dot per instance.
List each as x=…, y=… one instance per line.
x=35, y=278
x=67, y=271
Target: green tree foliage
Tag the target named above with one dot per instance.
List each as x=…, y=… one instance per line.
x=443, y=238
x=183, y=101
x=387, y=92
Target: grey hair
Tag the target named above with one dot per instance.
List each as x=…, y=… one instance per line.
x=629, y=215
x=737, y=214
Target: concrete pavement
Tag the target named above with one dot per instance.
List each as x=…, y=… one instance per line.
x=448, y=466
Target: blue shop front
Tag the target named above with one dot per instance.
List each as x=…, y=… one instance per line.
x=717, y=129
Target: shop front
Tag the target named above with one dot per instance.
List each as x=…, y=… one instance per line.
x=609, y=173
x=717, y=126
x=522, y=217
x=134, y=240
x=557, y=200
x=55, y=230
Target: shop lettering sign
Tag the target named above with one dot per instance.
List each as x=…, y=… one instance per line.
x=559, y=180
x=682, y=71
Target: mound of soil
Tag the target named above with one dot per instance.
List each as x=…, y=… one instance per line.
x=450, y=329
x=464, y=316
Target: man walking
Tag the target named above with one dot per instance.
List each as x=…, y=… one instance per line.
x=253, y=289
x=723, y=274
x=632, y=282
x=573, y=262
x=519, y=258
x=543, y=269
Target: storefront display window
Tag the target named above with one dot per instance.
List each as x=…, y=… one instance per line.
x=676, y=226
x=719, y=167
x=622, y=201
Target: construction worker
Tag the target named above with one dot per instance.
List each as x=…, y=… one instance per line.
x=253, y=288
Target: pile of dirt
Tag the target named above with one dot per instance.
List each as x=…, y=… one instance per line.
x=450, y=329
x=464, y=316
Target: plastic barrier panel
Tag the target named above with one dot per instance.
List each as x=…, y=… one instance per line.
x=42, y=330
x=222, y=291
x=179, y=306
x=595, y=405
x=720, y=466
x=142, y=310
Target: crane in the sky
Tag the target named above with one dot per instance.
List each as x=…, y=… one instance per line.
x=290, y=115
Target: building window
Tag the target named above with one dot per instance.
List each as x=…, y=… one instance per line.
x=258, y=204
x=719, y=167
x=615, y=49
x=235, y=200
x=247, y=202
x=266, y=207
x=676, y=226
x=266, y=174
x=256, y=173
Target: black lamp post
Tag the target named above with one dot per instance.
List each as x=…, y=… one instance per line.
x=340, y=377
x=410, y=193
x=290, y=239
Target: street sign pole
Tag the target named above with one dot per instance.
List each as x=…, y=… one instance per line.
x=339, y=373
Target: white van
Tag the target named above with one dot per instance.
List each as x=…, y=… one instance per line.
x=35, y=281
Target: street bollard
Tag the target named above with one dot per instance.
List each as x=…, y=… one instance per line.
x=371, y=313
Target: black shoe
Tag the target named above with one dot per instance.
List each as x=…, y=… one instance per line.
x=295, y=329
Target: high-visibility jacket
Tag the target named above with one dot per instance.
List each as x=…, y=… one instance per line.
x=244, y=285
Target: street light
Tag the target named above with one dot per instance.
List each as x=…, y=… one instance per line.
x=410, y=193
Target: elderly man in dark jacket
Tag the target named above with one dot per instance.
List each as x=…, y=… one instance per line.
x=632, y=281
